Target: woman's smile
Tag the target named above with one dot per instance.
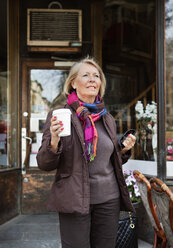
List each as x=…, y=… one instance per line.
x=91, y=86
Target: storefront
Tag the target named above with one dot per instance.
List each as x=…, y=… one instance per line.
x=132, y=40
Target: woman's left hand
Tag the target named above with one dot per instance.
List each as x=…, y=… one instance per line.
x=129, y=142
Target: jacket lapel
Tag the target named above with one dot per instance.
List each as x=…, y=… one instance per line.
x=110, y=128
x=78, y=127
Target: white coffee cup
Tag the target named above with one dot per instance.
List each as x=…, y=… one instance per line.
x=63, y=115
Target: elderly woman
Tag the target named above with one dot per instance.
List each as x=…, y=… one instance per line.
x=89, y=188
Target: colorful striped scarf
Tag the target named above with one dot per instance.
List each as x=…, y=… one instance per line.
x=88, y=114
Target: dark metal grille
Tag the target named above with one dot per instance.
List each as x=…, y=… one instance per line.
x=54, y=26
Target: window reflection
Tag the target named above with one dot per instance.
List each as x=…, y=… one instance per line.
x=3, y=120
x=3, y=88
x=129, y=66
x=8, y=94
x=45, y=93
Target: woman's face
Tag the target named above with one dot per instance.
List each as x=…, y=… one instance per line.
x=87, y=83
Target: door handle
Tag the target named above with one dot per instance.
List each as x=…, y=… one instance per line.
x=28, y=138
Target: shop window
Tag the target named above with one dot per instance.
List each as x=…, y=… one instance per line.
x=129, y=46
x=8, y=93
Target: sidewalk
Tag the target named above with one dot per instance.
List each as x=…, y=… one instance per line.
x=35, y=231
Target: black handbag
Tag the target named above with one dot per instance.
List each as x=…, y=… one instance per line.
x=127, y=231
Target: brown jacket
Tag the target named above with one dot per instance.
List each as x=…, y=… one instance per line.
x=71, y=190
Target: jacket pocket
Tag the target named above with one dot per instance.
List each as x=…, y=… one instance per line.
x=67, y=142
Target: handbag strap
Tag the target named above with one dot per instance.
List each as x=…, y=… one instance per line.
x=132, y=225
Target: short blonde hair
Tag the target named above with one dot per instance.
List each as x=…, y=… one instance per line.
x=74, y=71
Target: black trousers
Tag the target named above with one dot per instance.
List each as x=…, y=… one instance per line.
x=98, y=229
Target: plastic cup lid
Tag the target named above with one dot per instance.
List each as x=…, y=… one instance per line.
x=61, y=111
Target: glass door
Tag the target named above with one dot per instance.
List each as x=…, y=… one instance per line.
x=42, y=91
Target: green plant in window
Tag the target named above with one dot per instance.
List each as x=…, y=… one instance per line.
x=147, y=130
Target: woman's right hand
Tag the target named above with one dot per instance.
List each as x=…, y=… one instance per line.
x=56, y=128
